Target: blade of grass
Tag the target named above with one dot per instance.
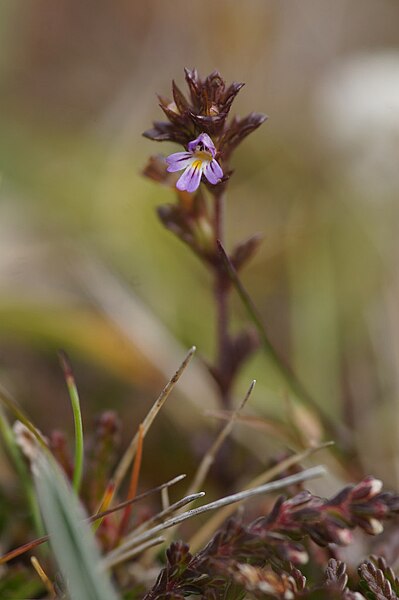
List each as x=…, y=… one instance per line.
x=208, y=460
x=133, y=484
x=22, y=549
x=165, y=498
x=133, y=540
x=156, y=407
x=122, y=505
x=44, y=577
x=104, y=505
x=210, y=455
x=20, y=415
x=206, y=532
x=22, y=471
x=117, y=560
x=97, y=517
x=71, y=539
x=170, y=510
x=77, y=417
x=271, y=426
x=291, y=379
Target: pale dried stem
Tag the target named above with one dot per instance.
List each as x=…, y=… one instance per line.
x=206, y=532
x=207, y=461
x=44, y=577
x=133, y=540
x=129, y=455
x=38, y=541
x=173, y=508
x=165, y=498
x=117, y=560
x=210, y=456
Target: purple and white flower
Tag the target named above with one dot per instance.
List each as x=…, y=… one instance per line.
x=197, y=161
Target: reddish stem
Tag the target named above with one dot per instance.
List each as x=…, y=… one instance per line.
x=222, y=310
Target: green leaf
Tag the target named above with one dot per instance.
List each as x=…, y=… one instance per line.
x=291, y=380
x=71, y=539
x=77, y=417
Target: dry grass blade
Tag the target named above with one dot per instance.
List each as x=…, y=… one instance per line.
x=44, y=577
x=292, y=381
x=165, y=498
x=117, y=560
x=122, y=505
x=105, y=504
x=159, y=517
x=19, y=414
x=38, y=541
x=209, y=457
x=214, y=522
x=277, y=429
x=160, y=401
x=133, y=540
x=133, y=483
x=22, y=549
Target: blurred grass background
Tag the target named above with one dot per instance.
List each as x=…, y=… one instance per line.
x=86, y=266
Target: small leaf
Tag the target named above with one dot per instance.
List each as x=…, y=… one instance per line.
x=244, y=251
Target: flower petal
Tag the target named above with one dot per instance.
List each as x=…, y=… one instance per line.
x=213, y=172
x=204, y=140
x=190, y=179
x=179, y=161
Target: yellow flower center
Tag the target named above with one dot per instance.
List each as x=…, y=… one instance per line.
x=202, y=156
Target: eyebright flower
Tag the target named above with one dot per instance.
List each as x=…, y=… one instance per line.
x=206, y=109
x=197, y=161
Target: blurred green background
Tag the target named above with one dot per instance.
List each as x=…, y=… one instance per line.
x=86, y=266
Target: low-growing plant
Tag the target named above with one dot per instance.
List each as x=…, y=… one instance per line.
x=93, y=545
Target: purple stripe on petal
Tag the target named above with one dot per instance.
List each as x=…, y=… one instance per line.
x=213, y=172
x=204, y=140
x=195, y=180
x=190, y=179
x=178, y=161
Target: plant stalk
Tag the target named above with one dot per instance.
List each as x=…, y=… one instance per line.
x=221, y=291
